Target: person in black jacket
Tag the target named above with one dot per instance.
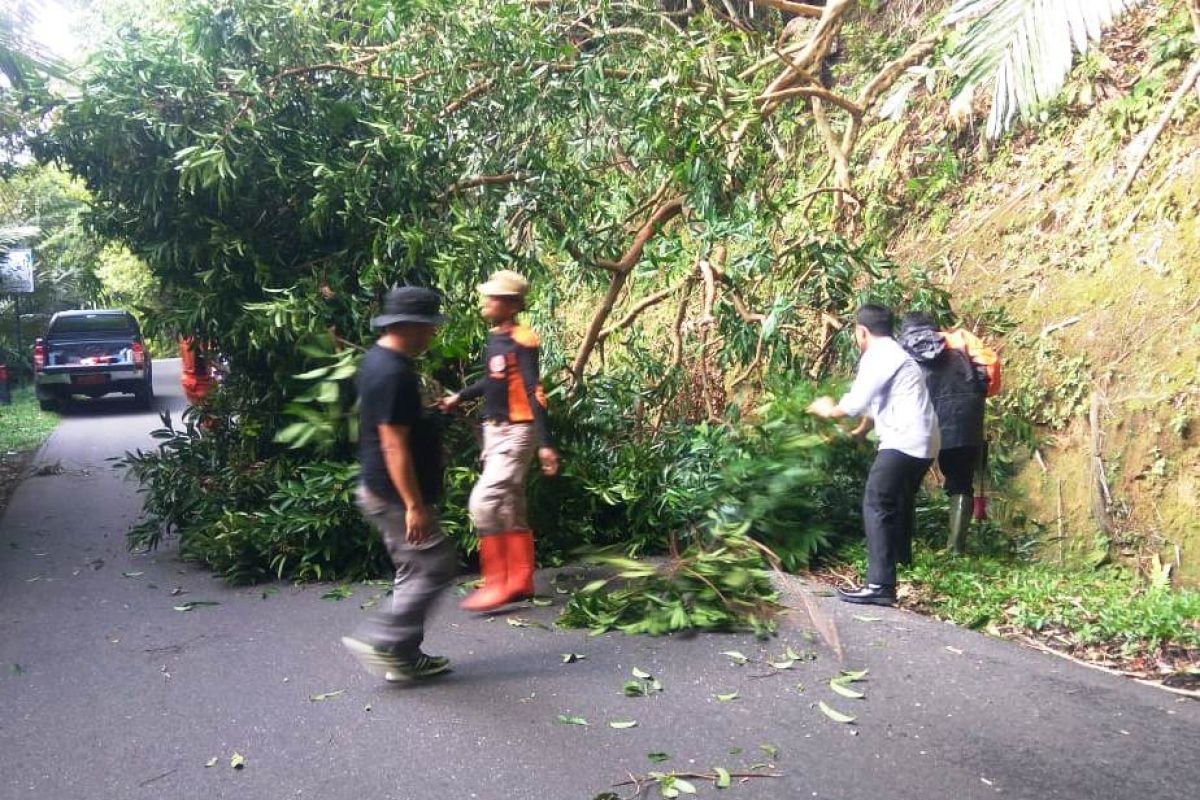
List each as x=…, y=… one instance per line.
x=958, y=392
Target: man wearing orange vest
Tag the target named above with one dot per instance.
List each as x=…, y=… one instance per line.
x=515, y=426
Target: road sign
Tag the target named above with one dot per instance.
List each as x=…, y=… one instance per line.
x=16, y=272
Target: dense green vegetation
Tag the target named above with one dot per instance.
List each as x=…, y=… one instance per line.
x=700, y=192
x=23, y=425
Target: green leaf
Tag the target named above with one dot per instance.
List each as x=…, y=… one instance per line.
x=133, y=574
x=212, y=762
x=684, y=787
x=866, y=618
x=566, y=720
x=771, y=750
x=635, y=689
x=723, y=778
x=338, y=593
x=641, y=673
x=835, y=715
x=735, y=656
x=316, y=698
x=190, y=604
x=841, y=688
x=725, y=698
x=541, y=602
x=237, y=761
x=623, y=724
x=658, y=757
x=784, y=664
x=517, y=622
x=853, y=677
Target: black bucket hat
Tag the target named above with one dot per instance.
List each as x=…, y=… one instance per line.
x=410, y=304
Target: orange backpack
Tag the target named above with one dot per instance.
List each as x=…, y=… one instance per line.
x=985, y=359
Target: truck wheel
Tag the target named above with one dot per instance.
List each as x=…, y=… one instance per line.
x=46, y=404
x=145, y=395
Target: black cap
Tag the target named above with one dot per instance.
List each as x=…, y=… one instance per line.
x=410, y=304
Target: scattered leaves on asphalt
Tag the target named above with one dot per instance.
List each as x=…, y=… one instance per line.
x=212, y=762
x=735, y=657
x=623, y=724
x=237, y=760
x=338, y=593
x=190, y=604
x=834, y=714
x=658, y=757
x=643, y=685
x=723, y=779
x=571, y=658
x=566, y=720
x=785, y=663
x=316, y=698
x=849, y=676
x=771, y=750
x=725, y=698
x=841, y=688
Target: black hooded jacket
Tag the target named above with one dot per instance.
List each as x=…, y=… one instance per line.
x=954, y=386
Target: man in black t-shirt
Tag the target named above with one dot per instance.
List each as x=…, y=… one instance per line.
x=401, y=484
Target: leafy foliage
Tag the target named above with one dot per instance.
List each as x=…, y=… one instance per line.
x=1024, y=48
x=719, y=584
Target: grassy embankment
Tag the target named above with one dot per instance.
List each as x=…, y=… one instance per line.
x=23, y=426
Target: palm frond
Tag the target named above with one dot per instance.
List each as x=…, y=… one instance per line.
x=21, y=58
x=1024, y=48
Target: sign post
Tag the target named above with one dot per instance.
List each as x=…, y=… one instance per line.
x=16, y=278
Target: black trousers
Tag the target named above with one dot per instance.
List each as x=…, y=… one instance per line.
x=889, y=505
x=958, y=466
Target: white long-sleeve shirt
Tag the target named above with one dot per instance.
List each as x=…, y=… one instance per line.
x=890, y=388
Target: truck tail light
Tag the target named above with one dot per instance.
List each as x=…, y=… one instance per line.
x=39, y=355
x=139, y=354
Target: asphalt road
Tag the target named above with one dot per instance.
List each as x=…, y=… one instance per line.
x=107, y=691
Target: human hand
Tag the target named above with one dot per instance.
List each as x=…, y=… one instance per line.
x=822, y=407
x=448, y=403
x=418, y=524
x=549, y=458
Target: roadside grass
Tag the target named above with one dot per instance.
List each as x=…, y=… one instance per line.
x=1108, y=615
x=23, y=425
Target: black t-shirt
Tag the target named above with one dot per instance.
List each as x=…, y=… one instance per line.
x=389, y=393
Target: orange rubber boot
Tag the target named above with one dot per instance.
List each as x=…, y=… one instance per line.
x=518, y=549
x=494, y=568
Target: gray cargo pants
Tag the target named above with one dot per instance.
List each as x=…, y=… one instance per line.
x=422, y=572
x=498, y=501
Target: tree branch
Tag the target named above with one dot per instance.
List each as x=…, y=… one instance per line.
x=661, y=215
x=481, y=180
x=799, y=9
x=636, y=311
x=1180, y=93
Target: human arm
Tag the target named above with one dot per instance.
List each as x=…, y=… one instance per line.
x=397, y=457
x=527, y=363
x=471, y=392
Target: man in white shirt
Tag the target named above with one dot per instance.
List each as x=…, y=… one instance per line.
x=889, y=388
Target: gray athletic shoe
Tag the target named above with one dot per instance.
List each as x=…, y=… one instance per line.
x=422, y=666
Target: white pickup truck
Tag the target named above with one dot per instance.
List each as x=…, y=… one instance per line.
x=91, y=353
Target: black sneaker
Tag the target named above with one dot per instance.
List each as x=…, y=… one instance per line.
x=374, y=660
x=422, y=666
x=873, y=594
